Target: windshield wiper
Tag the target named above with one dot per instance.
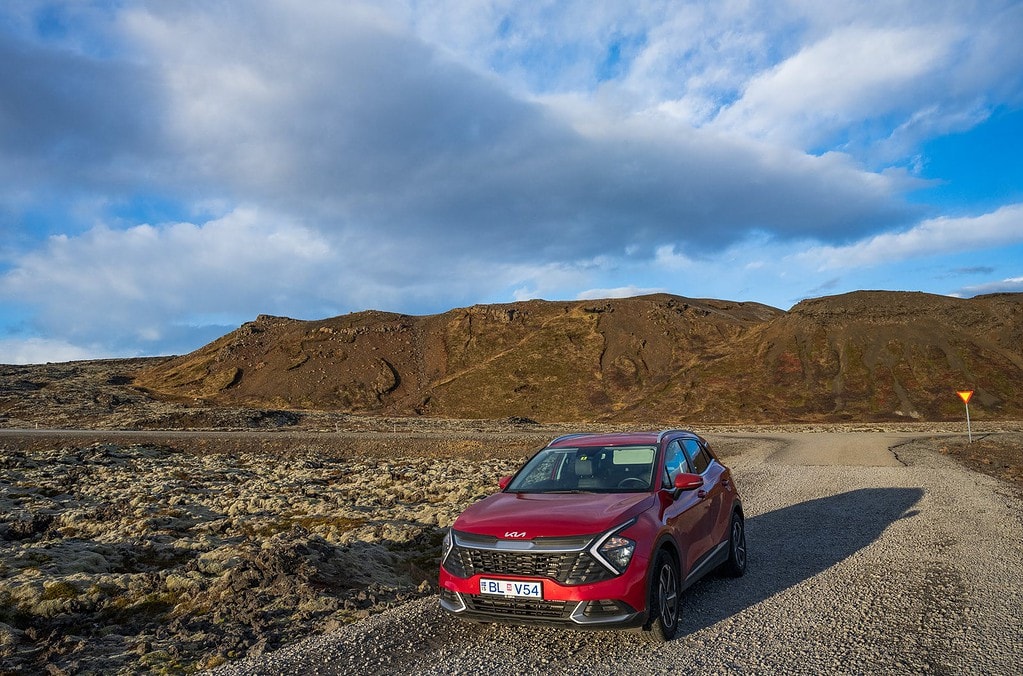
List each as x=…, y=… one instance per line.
x=550, y=492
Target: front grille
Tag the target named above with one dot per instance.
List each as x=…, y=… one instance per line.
x=516, y=607
x=568, y=568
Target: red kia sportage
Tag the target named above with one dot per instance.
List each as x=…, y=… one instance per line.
x=597, y=531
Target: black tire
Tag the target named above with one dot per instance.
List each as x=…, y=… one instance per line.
x=735, y=566
x=665, y=599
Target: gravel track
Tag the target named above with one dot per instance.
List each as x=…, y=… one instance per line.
x=862, y=559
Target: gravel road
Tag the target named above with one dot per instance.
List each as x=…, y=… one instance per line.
x=868, y=553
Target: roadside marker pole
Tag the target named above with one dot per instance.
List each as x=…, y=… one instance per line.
x=969, y=430
x=965, y=396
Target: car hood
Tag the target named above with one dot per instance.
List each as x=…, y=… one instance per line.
x=533, y=515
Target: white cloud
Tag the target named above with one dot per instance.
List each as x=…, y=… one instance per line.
x=669, y=258
x=357, y=123
x=619, y=292
x=551, y=281
x=141, y=280
x=41, y=350
x=1010, y=285
x=943, y=235
x=851, y=75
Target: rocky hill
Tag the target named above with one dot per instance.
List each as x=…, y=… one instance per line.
x=868, y=355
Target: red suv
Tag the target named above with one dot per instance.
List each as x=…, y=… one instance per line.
x=597, y=531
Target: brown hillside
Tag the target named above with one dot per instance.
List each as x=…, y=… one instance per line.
x=875, y=355
x=861, y=356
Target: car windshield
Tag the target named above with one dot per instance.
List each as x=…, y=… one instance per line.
x=602, y=469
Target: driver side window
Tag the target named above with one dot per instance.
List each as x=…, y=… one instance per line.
x=674, y=463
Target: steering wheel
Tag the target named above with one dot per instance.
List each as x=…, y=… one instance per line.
x=633, y=482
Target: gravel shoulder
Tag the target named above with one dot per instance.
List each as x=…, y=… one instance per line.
x=868, y=552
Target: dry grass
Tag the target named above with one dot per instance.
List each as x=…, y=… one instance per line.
x=998, y=455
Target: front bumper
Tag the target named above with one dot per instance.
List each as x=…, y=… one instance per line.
x=618, y=601
x=578, y=589
x=592, y=614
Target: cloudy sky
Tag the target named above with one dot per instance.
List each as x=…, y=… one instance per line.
x=170, y=170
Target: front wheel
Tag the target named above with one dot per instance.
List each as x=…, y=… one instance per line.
x=665, y=599
x=736, y=564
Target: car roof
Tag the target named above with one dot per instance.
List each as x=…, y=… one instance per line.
x=650, y=438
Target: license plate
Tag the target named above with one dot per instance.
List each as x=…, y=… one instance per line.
x=532, y=590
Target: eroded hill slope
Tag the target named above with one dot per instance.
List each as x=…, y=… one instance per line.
x=864, y=355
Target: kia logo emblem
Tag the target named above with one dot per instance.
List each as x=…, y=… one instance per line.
x=515, y=534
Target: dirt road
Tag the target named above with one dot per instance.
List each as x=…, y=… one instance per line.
x=868, y=553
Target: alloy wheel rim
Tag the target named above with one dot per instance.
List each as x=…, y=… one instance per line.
x=668, y=596
x=739, y=543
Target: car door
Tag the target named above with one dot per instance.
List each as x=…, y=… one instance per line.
x=688, y=515
x=711, y=495
x=723, y=496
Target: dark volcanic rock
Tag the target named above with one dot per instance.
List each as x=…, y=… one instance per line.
x=122, y=559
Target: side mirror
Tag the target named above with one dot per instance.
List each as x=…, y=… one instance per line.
x=687, y=482
x=505, y=480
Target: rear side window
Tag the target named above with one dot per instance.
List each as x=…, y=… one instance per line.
x=699, y=459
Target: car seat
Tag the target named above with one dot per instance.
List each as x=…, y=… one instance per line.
x=585, y=476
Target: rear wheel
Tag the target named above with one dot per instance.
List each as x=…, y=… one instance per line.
x=736, y=564
x=665, y=599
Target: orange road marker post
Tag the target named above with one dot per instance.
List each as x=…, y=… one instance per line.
x=965, y=396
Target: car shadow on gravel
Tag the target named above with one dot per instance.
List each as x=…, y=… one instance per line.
x=790, y=545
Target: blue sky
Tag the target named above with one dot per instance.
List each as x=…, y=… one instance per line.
x=170, y=170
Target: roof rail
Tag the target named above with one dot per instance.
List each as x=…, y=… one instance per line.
x=664, y=433
x=563, y=437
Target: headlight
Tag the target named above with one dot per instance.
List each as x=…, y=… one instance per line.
x=445, y=546
x=615, y=551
